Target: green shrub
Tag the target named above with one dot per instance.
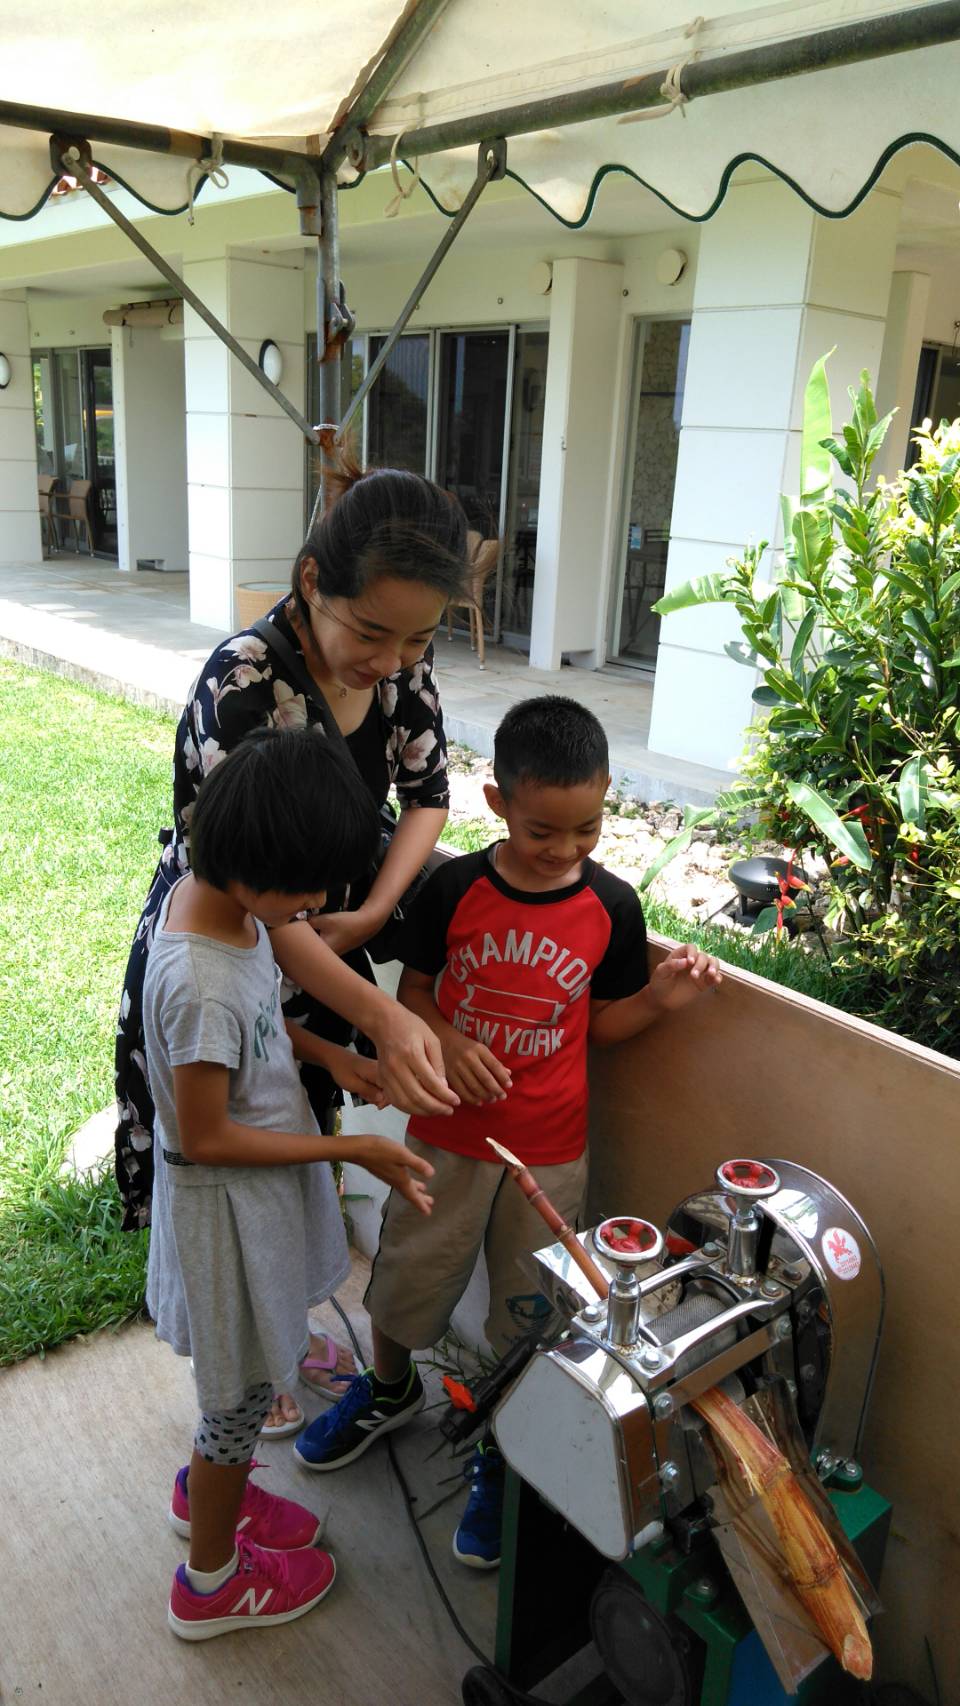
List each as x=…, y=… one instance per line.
x=858, y=648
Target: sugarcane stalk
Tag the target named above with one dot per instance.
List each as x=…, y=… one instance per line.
x=564, y=1234
x=811, y=1560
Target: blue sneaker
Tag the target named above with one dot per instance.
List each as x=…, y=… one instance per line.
x=352, y=1424
x=477, y=1540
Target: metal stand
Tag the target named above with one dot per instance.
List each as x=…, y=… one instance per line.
x=549, y=1575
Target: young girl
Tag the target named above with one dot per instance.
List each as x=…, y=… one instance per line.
x=246, y=1232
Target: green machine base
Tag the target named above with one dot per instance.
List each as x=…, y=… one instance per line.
x=549, y=1573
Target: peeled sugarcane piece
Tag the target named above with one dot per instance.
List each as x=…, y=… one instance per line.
x=812, y=1563
x=564, y=1234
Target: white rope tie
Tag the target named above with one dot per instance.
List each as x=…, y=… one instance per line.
x=210, y=167
x=404, y=191
x=671, y=88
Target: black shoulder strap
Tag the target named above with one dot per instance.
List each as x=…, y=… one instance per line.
x=298, y=672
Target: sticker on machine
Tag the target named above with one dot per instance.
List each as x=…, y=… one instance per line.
x=842, y=1252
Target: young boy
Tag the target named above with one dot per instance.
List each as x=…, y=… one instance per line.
x=515, y=956
x=246, y=1232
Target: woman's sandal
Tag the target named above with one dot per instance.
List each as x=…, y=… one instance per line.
x=283, y=1430
x=333, y=1388
x=336, y=1384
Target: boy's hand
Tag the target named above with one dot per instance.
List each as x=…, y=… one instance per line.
x=681, y=977
x=355, y=1073
x=397, y=1167
x=474, y=1071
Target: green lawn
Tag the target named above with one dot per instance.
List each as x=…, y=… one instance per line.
x=84, y=788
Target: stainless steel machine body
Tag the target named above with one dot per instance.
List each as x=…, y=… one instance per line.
x=769, y=1286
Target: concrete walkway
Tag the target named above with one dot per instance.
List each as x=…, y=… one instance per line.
x=130, y=634
x=91, y=1437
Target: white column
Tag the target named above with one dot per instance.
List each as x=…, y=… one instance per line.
x=245, y=458
x=897, y=381
x=151, y=446
x=19, y=509
x=578, y=432
x=777, y=286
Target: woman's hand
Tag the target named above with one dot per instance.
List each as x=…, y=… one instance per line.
x=343, y=931
x=354, y=1073
x=410, y=1063
x=397, y=1167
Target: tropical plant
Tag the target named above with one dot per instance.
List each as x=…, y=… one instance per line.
x=857, y=646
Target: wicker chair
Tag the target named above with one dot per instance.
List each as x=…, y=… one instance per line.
x=484, y=556
x=72, y=508
x=47, y=485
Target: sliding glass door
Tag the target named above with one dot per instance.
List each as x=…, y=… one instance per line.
x=659, y=372
x=73, y=408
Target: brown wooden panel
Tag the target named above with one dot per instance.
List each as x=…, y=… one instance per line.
x=759, y=1070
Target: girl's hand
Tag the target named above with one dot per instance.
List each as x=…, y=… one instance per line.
x=681, y=977
x=397, y=1167
x=343, y=931
x=355, y=1073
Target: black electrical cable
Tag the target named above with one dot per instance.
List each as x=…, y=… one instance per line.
x=514, y=1693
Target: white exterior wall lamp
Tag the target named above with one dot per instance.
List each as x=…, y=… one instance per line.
x=270, y=361
x=6, y=372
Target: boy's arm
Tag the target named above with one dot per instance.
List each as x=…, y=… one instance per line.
x=472, y=1069
x=677, y=981
x=351, y=1071
x=209, y=1137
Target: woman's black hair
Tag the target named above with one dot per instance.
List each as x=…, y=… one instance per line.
x=384, y=521
x=551, y=741
x=285, y=810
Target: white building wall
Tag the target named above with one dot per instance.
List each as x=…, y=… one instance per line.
x=578, y=435
x=19, y=508
x=151, y=446
x=896, y=382
x=776, y=287
x=244, y=456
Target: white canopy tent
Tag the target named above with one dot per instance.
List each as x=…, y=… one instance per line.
x=284, y=77
x=821, y=92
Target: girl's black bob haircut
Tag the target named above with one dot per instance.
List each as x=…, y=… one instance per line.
x=286, y=810
x=551, y=741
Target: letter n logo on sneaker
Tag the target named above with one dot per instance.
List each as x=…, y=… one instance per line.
x=250, y=1603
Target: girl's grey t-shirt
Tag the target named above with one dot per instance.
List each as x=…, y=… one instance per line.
x=237, y=1254
x=208, y=1001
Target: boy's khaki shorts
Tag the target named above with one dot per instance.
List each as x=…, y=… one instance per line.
x=424, y=1264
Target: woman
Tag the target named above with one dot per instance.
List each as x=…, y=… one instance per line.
x=368, y=590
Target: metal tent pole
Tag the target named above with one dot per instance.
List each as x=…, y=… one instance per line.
x=898, y=32
x=73, y=156
x=153, y=138
x=492, y=163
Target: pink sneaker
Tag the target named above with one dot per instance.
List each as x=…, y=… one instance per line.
x=268, y=1588
x=275, y=1524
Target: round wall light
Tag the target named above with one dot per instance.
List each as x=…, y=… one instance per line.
x=270, y=361
x=6, y=372
x=671, y=265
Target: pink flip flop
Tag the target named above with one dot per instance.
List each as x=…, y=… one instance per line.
x=335, y=1386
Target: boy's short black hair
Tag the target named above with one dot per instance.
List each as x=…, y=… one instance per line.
x=551, y=740
x=285, y=810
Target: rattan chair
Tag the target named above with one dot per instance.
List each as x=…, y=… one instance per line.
x=47, y=485
x=484, y=556
x=72, y=508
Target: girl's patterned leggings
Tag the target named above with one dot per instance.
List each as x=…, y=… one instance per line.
x=230, y=1436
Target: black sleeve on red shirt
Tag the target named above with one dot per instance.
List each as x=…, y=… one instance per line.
x=424, y=944
x=623, y=969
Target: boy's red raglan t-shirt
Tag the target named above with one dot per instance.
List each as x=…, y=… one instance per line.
x=517, y=971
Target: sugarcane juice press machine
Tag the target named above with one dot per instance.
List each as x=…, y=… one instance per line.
x=619, y=1523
